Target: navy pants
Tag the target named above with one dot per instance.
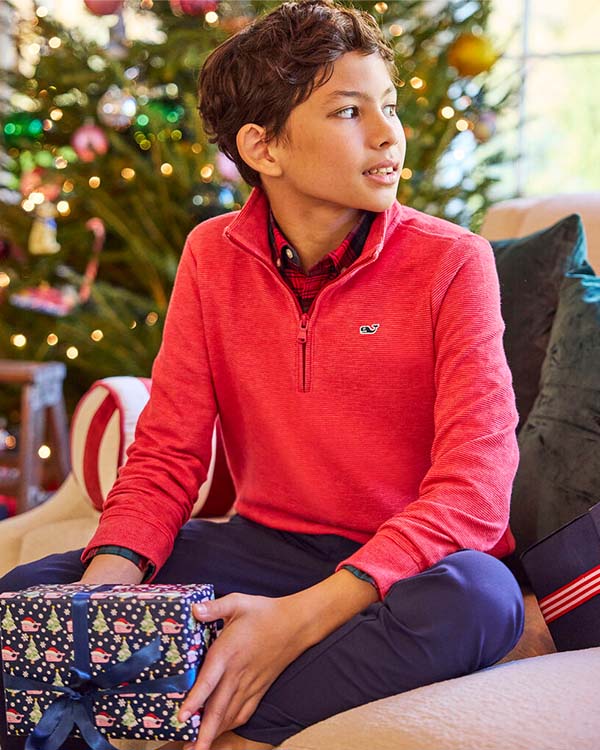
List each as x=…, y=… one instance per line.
x=461, y=615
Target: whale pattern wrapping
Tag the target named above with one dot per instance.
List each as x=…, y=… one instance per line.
x=36, y=634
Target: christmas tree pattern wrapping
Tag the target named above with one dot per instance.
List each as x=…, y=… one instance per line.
x=36, y=633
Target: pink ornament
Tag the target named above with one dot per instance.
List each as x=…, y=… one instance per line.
x=89, y=141
x=193, y=7
x=103, y=7
x=227, y=168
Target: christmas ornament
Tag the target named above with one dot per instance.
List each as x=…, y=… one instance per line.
x=103, y=7
x=485, y=127
x=22, y=129
x=471, y=54
x=193, y=7
x=33, y=181
x=62, y=300
x=42, y=238
x=117, y=108
x=89, y=141
x=227, y=167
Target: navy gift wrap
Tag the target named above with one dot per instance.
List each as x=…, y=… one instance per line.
x=101, y=661
x=564, y=571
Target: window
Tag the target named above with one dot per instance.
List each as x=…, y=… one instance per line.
x=554, y=49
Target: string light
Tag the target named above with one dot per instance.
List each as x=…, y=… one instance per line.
x=68, y=186
x=396, y=29
x=4, y=279
x=63, y=208
x=127, y=173
x=60, y=162
x=44, y=451
x=196, y=148
x=211, y=17
x=56, y=114
x=151, y=318
x=406, y=173
x=10, y=442
x=18, y=340
x=41, y=12
x=94, y=182
x=96, y=335
x=447, y=112
x=52, y=339
x=72, y=352
x=462, y=125
x=54, y=42
x=381, y=7
x=416, y=82
x=133, y=324
x=207, y=172
x=166, y=169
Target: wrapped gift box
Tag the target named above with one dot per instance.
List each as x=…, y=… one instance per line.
x=118, y=658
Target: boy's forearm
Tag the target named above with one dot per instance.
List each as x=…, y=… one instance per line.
x=326, y=606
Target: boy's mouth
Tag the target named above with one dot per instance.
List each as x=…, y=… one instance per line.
x=383, y=167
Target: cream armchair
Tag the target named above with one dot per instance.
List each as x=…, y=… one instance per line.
x=533, y=699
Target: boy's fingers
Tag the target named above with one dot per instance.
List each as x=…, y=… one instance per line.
x=215, y=716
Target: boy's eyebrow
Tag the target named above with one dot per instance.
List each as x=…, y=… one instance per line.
x=357, y=94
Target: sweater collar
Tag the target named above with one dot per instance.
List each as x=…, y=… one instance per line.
x=249, y=229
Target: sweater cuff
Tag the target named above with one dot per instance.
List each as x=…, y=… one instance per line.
x=384, y=560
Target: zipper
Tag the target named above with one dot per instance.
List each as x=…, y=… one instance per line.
x=302, y=336
x=304, y=317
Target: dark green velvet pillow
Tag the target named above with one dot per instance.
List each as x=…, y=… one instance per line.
x=531, y=270
x=559, y=471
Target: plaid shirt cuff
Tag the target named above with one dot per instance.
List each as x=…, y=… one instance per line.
x=141, y=562
x=360, y=574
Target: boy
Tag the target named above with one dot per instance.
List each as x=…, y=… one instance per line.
x=352, y=348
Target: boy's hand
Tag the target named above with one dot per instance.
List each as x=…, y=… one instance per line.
x=260, y=638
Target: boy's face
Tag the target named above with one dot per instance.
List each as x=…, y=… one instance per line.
x=335, y=139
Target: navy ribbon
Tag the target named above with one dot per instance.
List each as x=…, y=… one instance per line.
x=75, y=706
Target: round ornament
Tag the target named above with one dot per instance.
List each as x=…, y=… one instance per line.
x=117, y=108
x=471, y=54
x=193, y=7
x=103, y=7
x=89, y=141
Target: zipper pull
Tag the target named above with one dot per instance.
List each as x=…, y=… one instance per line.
x=303, y=327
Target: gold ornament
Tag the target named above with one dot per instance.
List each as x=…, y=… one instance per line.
x=42, y=238
x=471, y=54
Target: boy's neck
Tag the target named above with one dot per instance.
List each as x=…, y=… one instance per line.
x=313, y=232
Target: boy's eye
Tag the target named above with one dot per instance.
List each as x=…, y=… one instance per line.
x=342, y=112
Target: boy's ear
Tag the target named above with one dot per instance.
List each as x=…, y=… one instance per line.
x=255, y=151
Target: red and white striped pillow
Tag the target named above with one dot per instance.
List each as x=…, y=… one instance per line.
x=103, y=427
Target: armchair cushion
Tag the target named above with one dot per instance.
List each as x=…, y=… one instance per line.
x=531, y=270
x=557, y=479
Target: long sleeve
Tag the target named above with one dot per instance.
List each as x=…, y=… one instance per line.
x=170, y=455
x=464, y=498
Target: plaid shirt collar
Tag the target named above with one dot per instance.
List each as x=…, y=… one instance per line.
x=286, y=256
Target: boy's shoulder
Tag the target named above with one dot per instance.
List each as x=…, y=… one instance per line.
x=434, y=228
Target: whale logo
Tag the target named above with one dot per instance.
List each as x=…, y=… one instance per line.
x=369, y=329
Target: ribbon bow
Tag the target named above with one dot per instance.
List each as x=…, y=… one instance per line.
x=75, y=706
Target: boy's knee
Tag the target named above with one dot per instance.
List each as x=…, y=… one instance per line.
x=489, y=600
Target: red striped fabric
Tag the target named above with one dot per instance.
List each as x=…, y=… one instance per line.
x=571, y=595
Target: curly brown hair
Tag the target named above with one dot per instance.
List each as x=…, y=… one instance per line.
x=269, y=67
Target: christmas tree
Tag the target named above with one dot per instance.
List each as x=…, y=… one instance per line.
x=147, y=625
x=8, y=622
x=129, y=719
x=31, y=653
x=36, y=713
x=107, y=167
x=124, y=650
x=58, y=681
x=173, y=656
x=99, y=625
x=174, y=721
x=53, y=624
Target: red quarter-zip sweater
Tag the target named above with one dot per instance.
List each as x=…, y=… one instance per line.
x=385, y=414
